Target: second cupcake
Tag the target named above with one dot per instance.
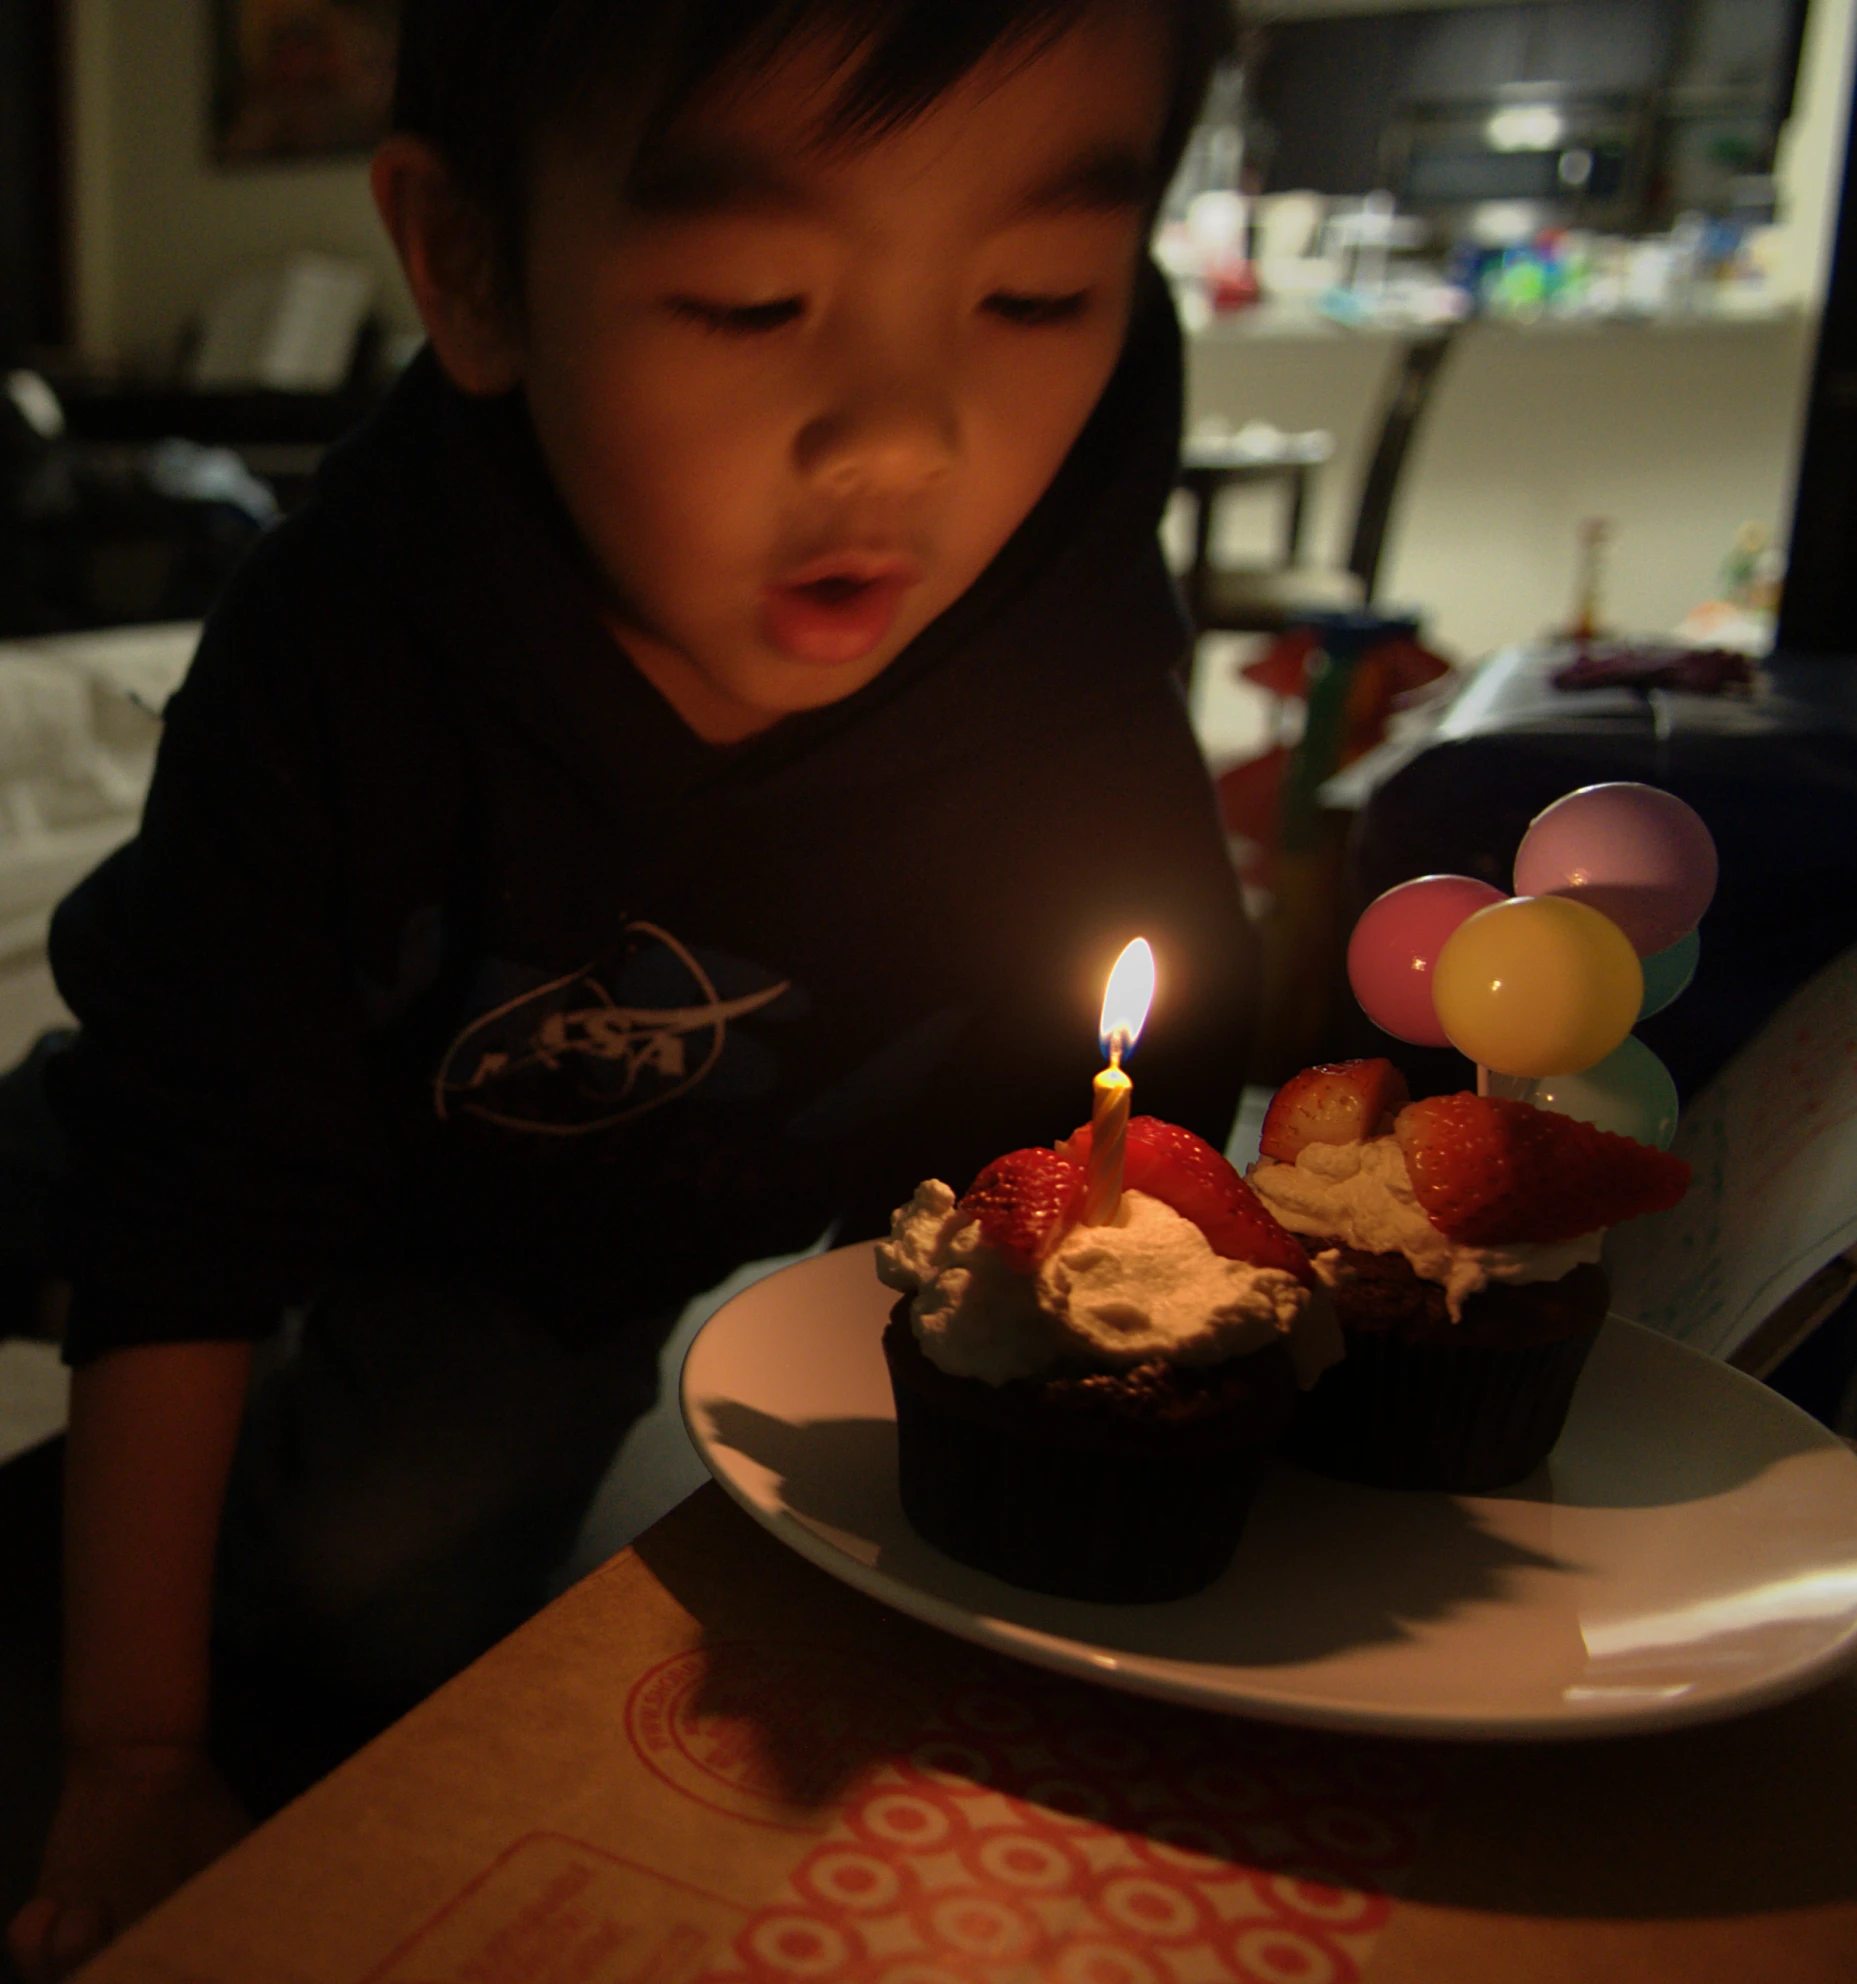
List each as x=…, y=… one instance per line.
x=1460, y=1237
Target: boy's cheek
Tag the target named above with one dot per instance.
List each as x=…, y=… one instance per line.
x=1036, y=404
x=693, y=544
x=641, y=443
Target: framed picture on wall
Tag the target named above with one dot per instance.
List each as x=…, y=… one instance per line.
x=300, y=78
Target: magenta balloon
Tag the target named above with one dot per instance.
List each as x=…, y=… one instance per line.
x=1396, y=943
x=1638, y=855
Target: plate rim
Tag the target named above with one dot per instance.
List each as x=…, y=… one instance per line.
x=1079, y=1659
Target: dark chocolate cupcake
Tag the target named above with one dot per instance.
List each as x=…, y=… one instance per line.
x=1085, y=1409
x=1459, y=1236
x=1422, y=1401
x=1127, y=1486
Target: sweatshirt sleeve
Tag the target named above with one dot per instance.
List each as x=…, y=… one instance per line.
x=223, y=1143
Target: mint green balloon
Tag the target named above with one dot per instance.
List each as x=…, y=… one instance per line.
x=1668, y=972
x=1629, y=1093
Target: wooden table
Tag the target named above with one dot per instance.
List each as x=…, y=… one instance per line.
x=708, y=1760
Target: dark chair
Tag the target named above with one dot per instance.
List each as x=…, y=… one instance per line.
x=1223, y=599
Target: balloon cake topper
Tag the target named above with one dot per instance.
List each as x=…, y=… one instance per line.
x=1542, y=988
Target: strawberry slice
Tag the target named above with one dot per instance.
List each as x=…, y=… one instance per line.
x=1185, y=1172
x=1490, y=1172
x=1340, y=1102
x=1026, y=1202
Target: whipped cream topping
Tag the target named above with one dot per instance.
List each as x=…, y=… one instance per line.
x=1147, y=1285
x=1361, y=1194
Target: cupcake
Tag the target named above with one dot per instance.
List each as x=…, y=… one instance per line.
x=1086, y=1410
x=1459, y=1237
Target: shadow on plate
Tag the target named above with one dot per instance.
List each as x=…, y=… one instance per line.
x=839, y=1472
x=1323, y=1566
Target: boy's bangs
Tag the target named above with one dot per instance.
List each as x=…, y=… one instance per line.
x=631, y=83
x=902, y=56
x=486, y=80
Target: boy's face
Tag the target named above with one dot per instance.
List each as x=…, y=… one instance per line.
x=796, y=399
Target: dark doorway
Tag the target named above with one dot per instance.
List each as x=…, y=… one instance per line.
x=1818, y=610
x=32, y=285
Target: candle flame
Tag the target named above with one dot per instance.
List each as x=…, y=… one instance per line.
x=1126, y=1002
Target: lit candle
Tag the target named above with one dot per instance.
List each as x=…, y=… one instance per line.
x=1125, y=1009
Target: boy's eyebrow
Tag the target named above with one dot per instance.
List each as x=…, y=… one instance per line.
x=692, y=180
x=688, y=181
x=1107, y=178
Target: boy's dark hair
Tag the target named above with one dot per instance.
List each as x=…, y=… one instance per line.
x=482, y=80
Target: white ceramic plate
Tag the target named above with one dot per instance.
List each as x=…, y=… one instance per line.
x=1689, y=1549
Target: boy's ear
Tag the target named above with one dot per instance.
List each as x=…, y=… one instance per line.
x=444, y=247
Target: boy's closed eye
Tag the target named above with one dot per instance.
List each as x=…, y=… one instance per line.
x=1030, y=309
x=738, y=319
x=1036, y=310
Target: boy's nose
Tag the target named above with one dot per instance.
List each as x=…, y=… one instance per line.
x=894, y=437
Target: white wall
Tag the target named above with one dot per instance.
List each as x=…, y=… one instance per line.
x=159, y=226
x=1677, y=435
x=1680, y=434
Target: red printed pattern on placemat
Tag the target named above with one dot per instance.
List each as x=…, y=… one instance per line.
x=1042, y=1830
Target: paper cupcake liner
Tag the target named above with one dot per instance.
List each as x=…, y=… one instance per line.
x=1062, y=1515
x=1458, y=1417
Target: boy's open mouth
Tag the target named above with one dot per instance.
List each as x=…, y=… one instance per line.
x=837, y=609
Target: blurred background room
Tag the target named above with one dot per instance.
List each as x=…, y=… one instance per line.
x=1521, y=350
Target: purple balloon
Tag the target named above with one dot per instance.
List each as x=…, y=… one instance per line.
x=1396, y=943
x=1637, y=855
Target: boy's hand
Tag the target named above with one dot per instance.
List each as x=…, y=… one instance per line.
x=133, y=1822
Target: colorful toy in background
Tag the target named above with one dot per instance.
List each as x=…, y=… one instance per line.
x=1542, y=988
x=1350, y=673
x=1702, y=267
x=1744, y=613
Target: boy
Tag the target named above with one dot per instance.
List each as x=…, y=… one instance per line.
x=683, y=780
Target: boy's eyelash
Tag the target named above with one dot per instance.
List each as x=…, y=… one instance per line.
x=751, y=319
x=1017, y=308
x=741, y=319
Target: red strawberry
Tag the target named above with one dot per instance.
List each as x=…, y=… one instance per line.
x=1490, y=1172
x=1185, y=1172
x=1343, y=1102
x=1025, y=1202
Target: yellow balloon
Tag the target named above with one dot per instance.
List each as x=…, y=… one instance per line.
x=1537, y=985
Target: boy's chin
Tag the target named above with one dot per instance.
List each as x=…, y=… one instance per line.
x=726, y=701
x=789, y=687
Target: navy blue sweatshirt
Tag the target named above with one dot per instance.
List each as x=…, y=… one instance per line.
x=446, y=947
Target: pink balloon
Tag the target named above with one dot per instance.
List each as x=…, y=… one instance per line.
x=1396, y=943
x=1638, y=855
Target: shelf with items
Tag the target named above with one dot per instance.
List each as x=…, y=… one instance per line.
x=1301, y=322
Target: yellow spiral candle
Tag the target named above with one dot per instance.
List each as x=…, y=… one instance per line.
x=1125, y=1010
x=1109, y=1095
